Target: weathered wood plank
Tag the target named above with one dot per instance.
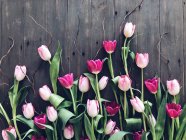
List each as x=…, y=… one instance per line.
x=184, y=51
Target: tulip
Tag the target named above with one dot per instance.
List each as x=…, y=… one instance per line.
x=34, y=137
x=84, y=84
x=92, y=108
x=137, y=104
x=20, y=72
x=67, y=80
x=110, y=127
x=109, y=46
x=124, y=82
x=115, y=131
x=44, y=53
x=51, y=113
x=45, y=92
x=28, y=110
x=173, y=87
x=173, y=110
x=11, y=130
x=152, y=85
x=152, y=120
x=41, y=119
x=103, y=82
x=68, y=132
x=84, y=138
x=137, y=135
x=129, y=29
x=112, y=108
x=142, y=60
x=95, y=66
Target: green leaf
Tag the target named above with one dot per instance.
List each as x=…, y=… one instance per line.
x=27, y=133
x=97, y=120
x=28, y=122
x=64, y=104
x=56, y=100
x=183, y=114
x=132, y=55
x=88, y=128
x=21, y=96
x=47, y=126
x=160, y=124
x=65, y=115
x=145, y=135
x=159, y=95
x=10, y=136
x=119, y=135
x=115, y=80
x=133, y=124
x=181, y=130
x=49, y=134
x=54, y=68
x=92, y=79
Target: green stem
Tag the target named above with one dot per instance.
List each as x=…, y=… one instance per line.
x=73, y=101
x=49, y=62
x=92, y=123
x=173, y=129
x=82, y=97
x=15, y=123
x=111, y=66
x=174, y=99
x=98, y=94
x=144, y=122
x=125, y=105
x=5, y=114
x=142, y=86
x=55, y=131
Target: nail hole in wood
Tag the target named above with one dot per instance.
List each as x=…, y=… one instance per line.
x=27, y=43
x=168, y=61
x=83, y=53
x=115, y=12
x=127, y=12
x=73, y=53
x=21, y=47
x=184, y=3
x=97, y=42
x=179, y=61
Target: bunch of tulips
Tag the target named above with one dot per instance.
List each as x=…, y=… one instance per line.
x=127, y=117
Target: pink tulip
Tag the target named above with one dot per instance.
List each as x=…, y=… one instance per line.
x=28, y=110
x=152, y=120
x=95, y=66
x=45, y=92
x=152, y=85
x=124, y=82
x=129, y=29
x=92, y=108
x=137, y=135
x=34, y=137
x=20, y=72
x=68, y=132
x=109, y=46
x=112, y=108
x=11, y=130
x=51, y=114
x=41, y=119
x=44, y=53
x=137, y=104
x=115, y=131
x=173, y=110
x=84, y=84
x=103, y=82
x=142, y=60
x=173, y=87
x=110, y=127
x=67, y=80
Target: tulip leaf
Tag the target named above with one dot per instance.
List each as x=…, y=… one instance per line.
x=27, y=133
x=54, y=68
x=56, y=100
x=145, y=135
x=23, y=92
x=115, y=80
x=118, y=136
x=132, y=55
x=74, y=90
x=183, y=114
x=64, y=104
x=49, y=134
x=10, y=136
x=47, y=126
x=92, y=79
x=65, y=115
x=133, y=124
x=159, y=95
x=160, y=124
x=97, y=120
x=181, y=130
x=88, y=128
x=28, y=122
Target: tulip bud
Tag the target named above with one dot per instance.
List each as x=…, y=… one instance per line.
x=28, y=110
x=115, y=131
x=20, y=72
x=129, y=29
x=124, y=82
x=41, y=119
x=137, y=135
x=68, y=132
x=67, y=80
x=92, y=108
x=109, y=46
x=103, y=82
x=10, y=130
x=95, y=66
x=84, y=84
x=173, y=87
x=137, y=104
x=45, y=92
x=44, y=53
x=142, y=60
x=152, y=120
x=51, y=113
x=110, y=127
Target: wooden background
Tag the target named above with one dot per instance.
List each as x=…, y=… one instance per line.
x=81, y=26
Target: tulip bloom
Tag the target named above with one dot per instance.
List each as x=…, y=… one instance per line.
x=137, y=135
x=51, y=113
x=112, y=108
x=67, y=80
x=152, y=120
x=92, y=108
x=110, y=127
x=129, y=29
x=45, y=92
x=44, y=53
x=28, y=110
x=11, y=130
x=34, y=137
x=41, y=119
x=173, y=110
x=103, y=82
x=84, y=84
x=115, y=131
x=20, y=72
x=173, y=87
x=109, y=46
x=137, y=104
x=95, y=66
x=84, y=138
x=68, y=132
x=152, y=85
x=124, y=82
x=142, y=60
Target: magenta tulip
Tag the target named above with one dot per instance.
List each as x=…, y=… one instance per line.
x=129, y=29
x=84, y=138
x=20, y=72
x=92, y=108
x=173, y=110
x=152, y=85
x=142, y=60
x=11, y=130
x=68, y=132
x=34, y=137
x=112, y=108
x=124, y=82
x=39, y=120
x=44, y=53
x=109, y=46
x=67, y=80
x=137, y=104
x=137, y=135
x=45, y=92
x=95, y=66
x=84, y=84
x=110, y=127
x=28, y=110
x=173, y=87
